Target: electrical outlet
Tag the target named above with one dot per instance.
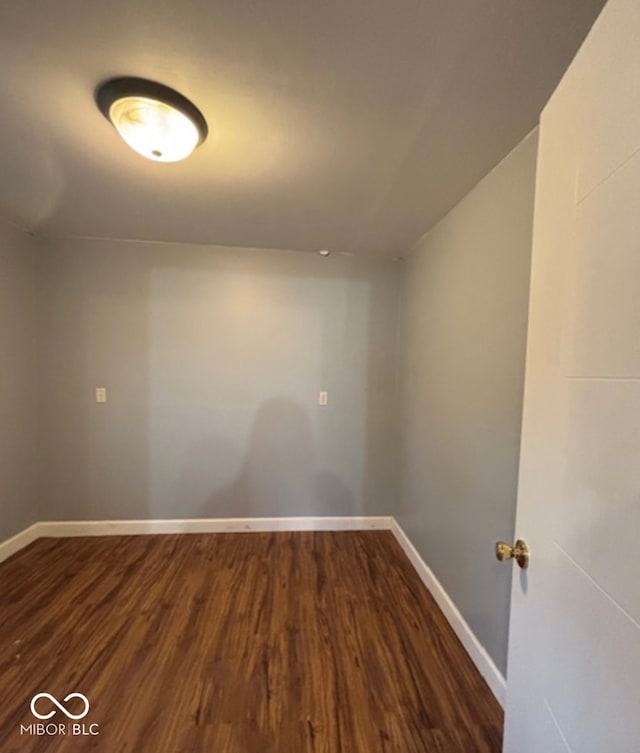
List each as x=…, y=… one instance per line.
x=323, y=398
x=101, y=394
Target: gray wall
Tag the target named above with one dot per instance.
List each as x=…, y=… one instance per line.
x=464, y=338
x=213, y=359
x=18, y=381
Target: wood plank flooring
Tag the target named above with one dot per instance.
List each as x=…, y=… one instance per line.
x=235, y=643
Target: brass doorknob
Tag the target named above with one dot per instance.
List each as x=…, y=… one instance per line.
x=519, y=552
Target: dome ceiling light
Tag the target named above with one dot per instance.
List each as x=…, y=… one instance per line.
x=154, y=120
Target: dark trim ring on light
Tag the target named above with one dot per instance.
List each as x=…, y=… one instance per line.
x=115, y=89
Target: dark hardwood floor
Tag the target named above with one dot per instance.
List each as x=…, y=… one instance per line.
x=235, y=643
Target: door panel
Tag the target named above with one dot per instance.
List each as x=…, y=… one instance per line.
x=542, y=723
x=599, y=522
x=574, y=652
x=592, y=685
x=605, y=282
x=605, y=129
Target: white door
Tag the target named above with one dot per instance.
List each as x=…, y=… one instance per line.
x=573, y=679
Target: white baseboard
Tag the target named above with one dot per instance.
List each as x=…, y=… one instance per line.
x=70, y=528
x=484, y=663
x=19, y=541
x=211, y=525
x=474, y=648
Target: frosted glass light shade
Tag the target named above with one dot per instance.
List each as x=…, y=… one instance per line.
x=155, y=121
x=154, y=129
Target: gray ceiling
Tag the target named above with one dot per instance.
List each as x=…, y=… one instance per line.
x=347, y=124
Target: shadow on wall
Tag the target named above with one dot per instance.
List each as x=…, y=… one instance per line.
x=278, y=476
x=237, y=355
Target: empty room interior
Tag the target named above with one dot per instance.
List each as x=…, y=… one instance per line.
x=319, y=376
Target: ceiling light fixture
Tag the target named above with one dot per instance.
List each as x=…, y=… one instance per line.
x=154, y=120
